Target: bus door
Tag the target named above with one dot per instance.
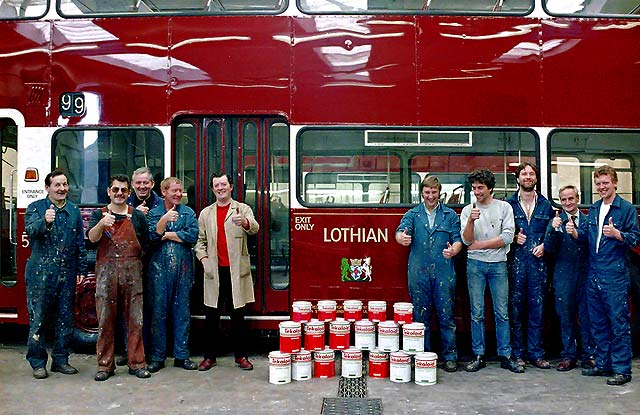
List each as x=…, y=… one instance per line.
x=254, y=152
x=12, y=291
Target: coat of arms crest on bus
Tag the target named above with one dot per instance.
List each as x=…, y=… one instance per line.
x=356, y=269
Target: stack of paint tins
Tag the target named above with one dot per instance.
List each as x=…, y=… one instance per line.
x=388, y=357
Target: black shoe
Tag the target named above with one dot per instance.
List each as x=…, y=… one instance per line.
x=512, y=365
x=476, y=364
x=40, y=373
x=102, y=375
x=153, y=367
x=450, y=366
x=65, y=369
x=186, y=364
x=596, y=371
x=618, y=379
x=122, y=361
x=141, y=373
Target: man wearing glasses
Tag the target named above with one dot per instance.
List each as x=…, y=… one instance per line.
x=121, y=235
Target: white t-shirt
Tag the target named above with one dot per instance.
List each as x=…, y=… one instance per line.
x=604, y=209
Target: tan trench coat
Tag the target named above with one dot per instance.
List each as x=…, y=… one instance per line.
x=240, y=266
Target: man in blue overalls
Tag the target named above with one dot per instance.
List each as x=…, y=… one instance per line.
x=433, y=233
x=569, y=282
x=175, y=229
x=611, y=228
x=58, y=258
x=527, y=267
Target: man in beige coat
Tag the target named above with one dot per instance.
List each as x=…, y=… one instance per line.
x=222, y=250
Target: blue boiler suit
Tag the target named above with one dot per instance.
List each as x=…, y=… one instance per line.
x=570, y=289
x=58, y=256
x=170, y=280
x=528, y=277
x=432, y=278
x=608, y=284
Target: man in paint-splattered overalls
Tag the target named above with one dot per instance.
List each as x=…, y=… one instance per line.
x=433, y=233
x=143, y=199
x=611, y=229
x=569, y=282
x=121, y=233
x=174, y=228
x=58, y=258
x=527, y=267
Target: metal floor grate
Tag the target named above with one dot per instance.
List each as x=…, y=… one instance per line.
x=351, y=406
x=352, y=387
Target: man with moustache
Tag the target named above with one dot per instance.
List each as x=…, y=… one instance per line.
x=433, y=233
x=611, y=228
x=569, y=282
x=58, y=258
x=174, y=229
x=121, y=234
x=488, y=233
x=527, y=267
x=143, y=198
x=222, y=250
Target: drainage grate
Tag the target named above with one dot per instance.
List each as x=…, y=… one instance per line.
x=351, y=406
x=352, y=387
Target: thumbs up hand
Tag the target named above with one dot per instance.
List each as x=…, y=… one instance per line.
x=171, y=215
x=449, y=251
x=404, y=238
x=142, y=207
x=557, y=221
x=108, y=219
x=475, y=213
x=50, y=214
x=237, y=218
x=521, y=238
x=610, y=230
x=570, y=227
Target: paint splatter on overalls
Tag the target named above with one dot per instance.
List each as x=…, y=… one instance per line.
x=119, y=280
x=57, y=256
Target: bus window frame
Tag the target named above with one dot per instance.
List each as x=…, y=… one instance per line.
x=591, y=16
x=283, y=8
x=300, y=157
x=96, y=128
x=587, y=192
x=29, y=18
x=375, y=12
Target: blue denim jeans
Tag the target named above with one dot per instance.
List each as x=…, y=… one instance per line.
x=480, y=273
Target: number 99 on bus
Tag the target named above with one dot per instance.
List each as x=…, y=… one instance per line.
x=72, y=104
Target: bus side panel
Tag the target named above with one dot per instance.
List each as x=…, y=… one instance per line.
x=122, y=72
x=478, y=71
x=13, y=298
x=24, y=69
x=230, y=64
x=608, y=83
x=330, y=245
x=354, y=70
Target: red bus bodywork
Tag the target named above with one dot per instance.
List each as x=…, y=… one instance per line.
x=399, y=70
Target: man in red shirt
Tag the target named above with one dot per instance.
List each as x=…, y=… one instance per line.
x=227, y=267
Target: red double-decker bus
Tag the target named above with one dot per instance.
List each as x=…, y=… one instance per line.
x=327, y=113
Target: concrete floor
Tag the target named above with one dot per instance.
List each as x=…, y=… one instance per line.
x=227, y=389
